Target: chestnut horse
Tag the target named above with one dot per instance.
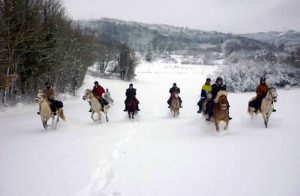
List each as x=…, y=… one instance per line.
x=95, y=105
x=221, y=109
x=175, y=105
x=45, y=111
x=131, y=108
x=266, y=107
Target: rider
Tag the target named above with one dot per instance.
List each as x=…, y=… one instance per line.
x=49, y=93
x=107, y=96
x=130, y=94
x=218, y=86
x=261, y=92
x=206, y=88
x=174, y=89
x=98, y=90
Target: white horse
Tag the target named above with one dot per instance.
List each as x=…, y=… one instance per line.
x=95, y=105
x=266, y=107
x=45, y=111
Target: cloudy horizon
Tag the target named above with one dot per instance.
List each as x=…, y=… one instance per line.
x=232, y=16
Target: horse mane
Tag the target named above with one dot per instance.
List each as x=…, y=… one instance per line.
x=220, y=93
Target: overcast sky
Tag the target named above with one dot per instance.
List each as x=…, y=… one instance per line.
x=236, y=16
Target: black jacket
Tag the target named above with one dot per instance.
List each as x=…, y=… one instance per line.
x=174, y=89
x=130, y=93
x=216, y=88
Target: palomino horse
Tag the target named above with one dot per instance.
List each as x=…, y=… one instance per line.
x=266, y=107
x=175, y=105
x=131, y=108
x=95, y=105
x=220, y=110
x=45, y=111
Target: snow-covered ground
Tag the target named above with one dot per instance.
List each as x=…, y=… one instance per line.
x=154, y=154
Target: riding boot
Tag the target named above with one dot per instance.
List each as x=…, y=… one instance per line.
x=90, y=110
x=125, y=109
x=138, y=109
x=274, y=110
x=199, y=111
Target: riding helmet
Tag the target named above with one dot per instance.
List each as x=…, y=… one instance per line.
x=219, y=79
x=96, y=82
x=130, y=84
x=262, y=79
x=174, y=84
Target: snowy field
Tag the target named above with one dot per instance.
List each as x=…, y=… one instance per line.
x=154, y=154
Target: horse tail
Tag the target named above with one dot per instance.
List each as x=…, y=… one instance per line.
x=61, y=115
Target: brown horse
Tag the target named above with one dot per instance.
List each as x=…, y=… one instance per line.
x=266, y=107
x=131, y=108
x=45, y=111
x=220, y=110
x=175, y=105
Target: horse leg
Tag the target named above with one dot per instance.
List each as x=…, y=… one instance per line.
x=106, y=116
x=217, y=124
x=226, y=125
x=92, y=115
x=44, y=121
x=129, y=116
x=57, y=118
x=265, y=119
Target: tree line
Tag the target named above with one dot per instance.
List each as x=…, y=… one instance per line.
x=40, y=43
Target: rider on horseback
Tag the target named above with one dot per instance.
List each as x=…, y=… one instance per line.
x=206, y=88
x=261, y=92
x=218, y=86
x=98, y=90
x=130, y=94
x=174, y=89
x=49, y=94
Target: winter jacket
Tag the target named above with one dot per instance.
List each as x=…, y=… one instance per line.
x=261, y=90
x=174, y=89
x=205, y=89
x=130, y=92
x=98, y=91
x=216, y=88
x=49, y=93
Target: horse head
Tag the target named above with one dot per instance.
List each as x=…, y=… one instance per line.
x=272, y=94
x=40, y=96
x=221, y=99
x=87, y=94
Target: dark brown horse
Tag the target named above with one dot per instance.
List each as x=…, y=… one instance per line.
x=220, y=111
x=132, y=108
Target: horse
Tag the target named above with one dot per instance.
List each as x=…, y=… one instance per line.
x=175, y=105
x=45, y=111
x=131, y=108
x=266, y=107
x=95, y=105
x=221, y=109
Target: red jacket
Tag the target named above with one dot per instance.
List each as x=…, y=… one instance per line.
x=98, y=91
x=261, y=90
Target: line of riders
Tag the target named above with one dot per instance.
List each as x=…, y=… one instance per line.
x=208, y=94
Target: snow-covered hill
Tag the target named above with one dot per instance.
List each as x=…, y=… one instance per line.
x=155, y=154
